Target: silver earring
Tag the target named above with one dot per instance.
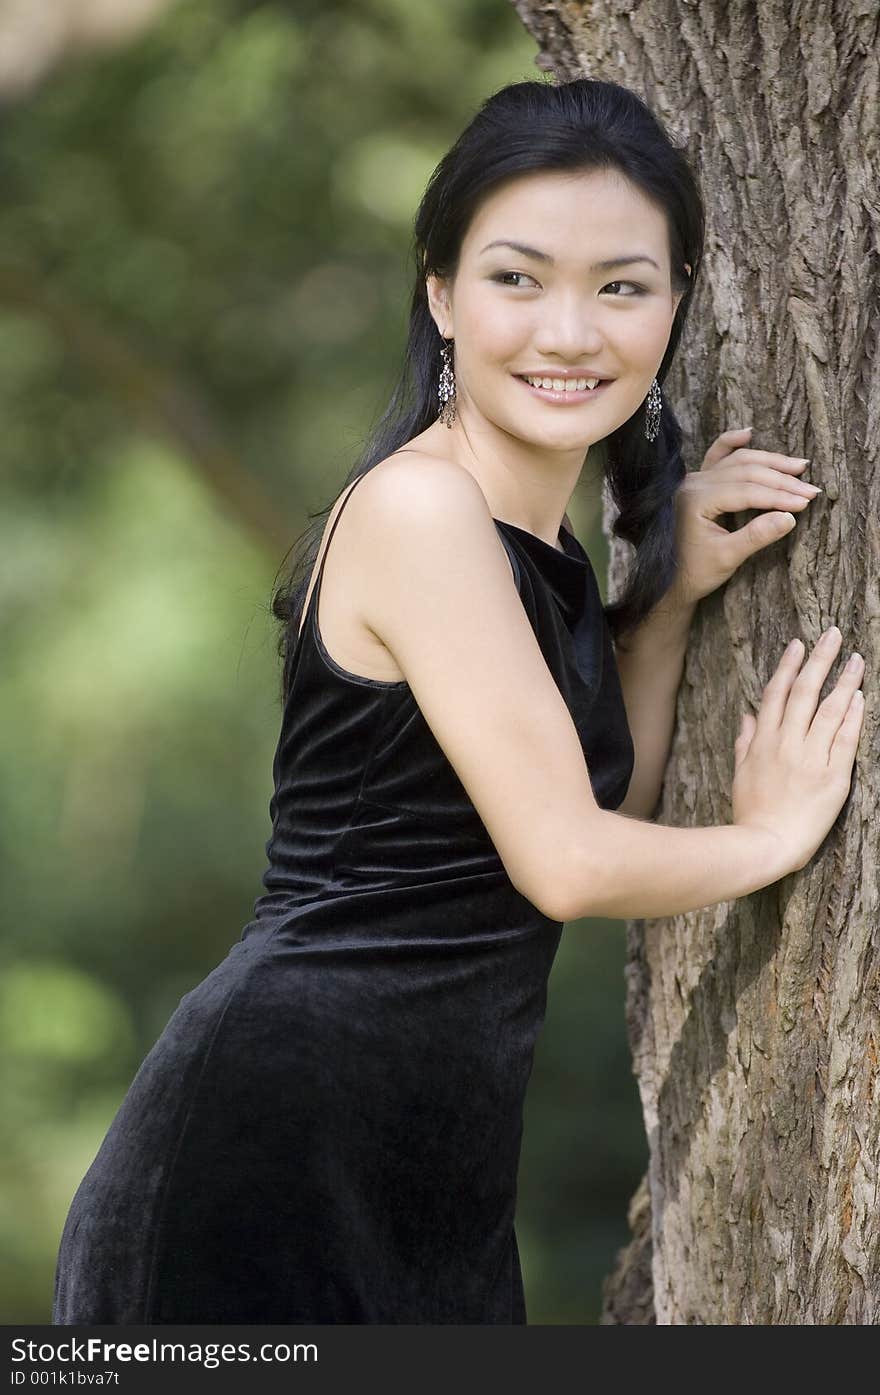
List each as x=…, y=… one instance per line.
x=652, y=411
x=446, y=389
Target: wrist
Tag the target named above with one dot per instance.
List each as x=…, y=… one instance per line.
x=674, y=611
x=775, y=857
x=663, y=633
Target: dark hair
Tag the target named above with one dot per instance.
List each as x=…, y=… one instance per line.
x=583, y=125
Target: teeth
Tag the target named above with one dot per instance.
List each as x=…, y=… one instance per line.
x=563, y=384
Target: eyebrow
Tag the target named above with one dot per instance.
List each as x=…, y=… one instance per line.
x=538, y=256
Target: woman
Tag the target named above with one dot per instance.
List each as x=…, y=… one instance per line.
x=328, y=1129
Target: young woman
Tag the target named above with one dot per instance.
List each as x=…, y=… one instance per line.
x=328, y=1129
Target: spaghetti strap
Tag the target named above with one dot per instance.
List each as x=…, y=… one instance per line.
x=310, y=608
x=351, y=488
x=310, y=618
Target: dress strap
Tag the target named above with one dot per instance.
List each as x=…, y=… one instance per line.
x=309, y=615
x=309, y=620
x=351, y=488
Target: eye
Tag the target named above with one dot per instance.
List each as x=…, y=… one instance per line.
x=636, y=290
x=501, y=275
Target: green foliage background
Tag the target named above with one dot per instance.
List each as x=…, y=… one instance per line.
x=204, y=279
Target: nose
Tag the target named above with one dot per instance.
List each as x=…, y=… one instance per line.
x=568, y=330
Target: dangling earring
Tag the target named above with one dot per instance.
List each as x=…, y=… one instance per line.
x=652, y=411
x=446, y=389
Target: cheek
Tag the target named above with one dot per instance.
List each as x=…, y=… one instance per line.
x=642, y=337
x=494, y=329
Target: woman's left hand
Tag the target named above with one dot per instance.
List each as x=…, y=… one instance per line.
x=731, y=478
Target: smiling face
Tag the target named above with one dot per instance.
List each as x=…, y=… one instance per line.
x=559, y=313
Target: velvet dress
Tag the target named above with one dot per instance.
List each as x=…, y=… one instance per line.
x=328, y=1128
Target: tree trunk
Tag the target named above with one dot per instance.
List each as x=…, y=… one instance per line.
x=755, y=1024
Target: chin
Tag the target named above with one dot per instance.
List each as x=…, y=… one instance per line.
x=558, y=438
x=558, y=430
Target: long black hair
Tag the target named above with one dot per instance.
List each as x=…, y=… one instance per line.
x=581, y=125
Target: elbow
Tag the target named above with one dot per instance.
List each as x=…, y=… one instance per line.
x=554, y=907
x=581, y=902
x=575, y=891
x=545, y=898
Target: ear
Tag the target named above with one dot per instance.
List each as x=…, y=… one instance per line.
x=439, y=304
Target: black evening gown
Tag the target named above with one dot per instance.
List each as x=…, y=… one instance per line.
x=328, y=1128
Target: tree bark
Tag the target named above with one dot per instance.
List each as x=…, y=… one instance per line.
x=755, y=1024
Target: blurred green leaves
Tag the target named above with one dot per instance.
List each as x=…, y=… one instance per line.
x=51, y=1014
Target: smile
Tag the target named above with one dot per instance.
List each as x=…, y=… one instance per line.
x=566, y=396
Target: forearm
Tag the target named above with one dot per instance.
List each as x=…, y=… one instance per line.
x=650, y=669
x=632, y=868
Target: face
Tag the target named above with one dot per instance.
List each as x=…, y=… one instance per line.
x=513, y=313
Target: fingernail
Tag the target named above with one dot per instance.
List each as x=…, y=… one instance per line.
x=853, y=662
x=816, y=488
x=798, y=461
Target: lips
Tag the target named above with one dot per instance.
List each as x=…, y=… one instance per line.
x=564, y=376
x=566, y=397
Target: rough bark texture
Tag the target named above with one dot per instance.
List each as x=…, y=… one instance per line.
x=755, y=1024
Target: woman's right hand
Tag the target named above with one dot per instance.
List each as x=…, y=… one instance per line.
x=793, y=762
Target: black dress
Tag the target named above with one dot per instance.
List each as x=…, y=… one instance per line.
x=328, y=1128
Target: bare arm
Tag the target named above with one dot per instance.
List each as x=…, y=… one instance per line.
x=644, y=869
x=650, y=662
x=436, y=587
x=651, y=870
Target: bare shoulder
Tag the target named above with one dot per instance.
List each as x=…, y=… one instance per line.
x=405, y=497
x=406, y=482
x=411, y=491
